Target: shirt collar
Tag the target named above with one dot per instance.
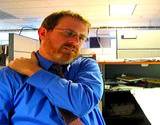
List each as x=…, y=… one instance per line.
x=46, y=64
x=43, y=62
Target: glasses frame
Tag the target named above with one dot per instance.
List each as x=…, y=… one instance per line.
x=70, y=33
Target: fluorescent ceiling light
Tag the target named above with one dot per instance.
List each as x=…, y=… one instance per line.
x=121, y=10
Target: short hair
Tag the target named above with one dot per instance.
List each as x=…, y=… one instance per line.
x=52, y=20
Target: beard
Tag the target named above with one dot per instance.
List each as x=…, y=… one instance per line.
x=67, y=53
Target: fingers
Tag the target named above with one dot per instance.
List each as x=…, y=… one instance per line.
x=25, y=66
x=10, y=63
x=33, y=57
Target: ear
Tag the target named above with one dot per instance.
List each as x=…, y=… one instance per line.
x=42, y=33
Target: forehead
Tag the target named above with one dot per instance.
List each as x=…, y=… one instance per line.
x=72, y=23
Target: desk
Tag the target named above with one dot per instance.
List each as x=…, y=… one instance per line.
x=122, y=107
x=129, y=96
x=149, y=101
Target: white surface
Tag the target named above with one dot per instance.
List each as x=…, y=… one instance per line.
x=149, y=101
x=23, y=46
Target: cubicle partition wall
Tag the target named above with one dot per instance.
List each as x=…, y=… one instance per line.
x=21, y=46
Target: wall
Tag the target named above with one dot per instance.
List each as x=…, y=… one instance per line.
x=138, y=43
x=21, y=46
x=107, y=44
x=130, y=43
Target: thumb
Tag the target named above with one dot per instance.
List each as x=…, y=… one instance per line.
x=33, y=57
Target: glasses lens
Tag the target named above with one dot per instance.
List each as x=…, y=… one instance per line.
x=69, y=33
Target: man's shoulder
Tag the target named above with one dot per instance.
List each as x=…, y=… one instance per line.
x=11, y=79
x=7, y=71
x=9, y=75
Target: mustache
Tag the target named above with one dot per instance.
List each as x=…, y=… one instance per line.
x=73, y=47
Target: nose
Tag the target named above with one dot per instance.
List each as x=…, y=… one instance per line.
x=74, y=39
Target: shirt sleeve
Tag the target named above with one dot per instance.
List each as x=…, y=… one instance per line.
x=79, y=96
x=5, y=98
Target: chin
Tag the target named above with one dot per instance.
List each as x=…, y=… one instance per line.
x=65, y=58
x=67, y=61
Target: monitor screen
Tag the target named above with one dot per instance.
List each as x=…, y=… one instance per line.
x=99, y=42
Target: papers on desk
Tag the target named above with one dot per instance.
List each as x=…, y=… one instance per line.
x=123, y=88
x=129, y=78
x=152, y=59
x=139, y=81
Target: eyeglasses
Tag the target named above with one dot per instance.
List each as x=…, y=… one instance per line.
x=70, y=33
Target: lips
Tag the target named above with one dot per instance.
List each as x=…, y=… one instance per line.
x=70, y=48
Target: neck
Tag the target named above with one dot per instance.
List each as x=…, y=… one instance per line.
x=44, y=54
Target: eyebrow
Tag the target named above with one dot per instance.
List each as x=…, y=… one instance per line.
x=74, y=31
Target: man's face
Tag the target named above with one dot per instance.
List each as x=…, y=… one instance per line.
x=63, y=43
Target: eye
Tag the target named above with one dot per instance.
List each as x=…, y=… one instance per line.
x=82, y=37
x=69, y=33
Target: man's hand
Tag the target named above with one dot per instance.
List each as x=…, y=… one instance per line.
x=25, y=66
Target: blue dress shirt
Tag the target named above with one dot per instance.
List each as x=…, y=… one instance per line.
x=35, y=100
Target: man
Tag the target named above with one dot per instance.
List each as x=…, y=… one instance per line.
x=32, y=93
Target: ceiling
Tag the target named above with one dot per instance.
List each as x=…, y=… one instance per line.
x=16, y=14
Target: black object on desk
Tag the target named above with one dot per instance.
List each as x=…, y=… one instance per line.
x=121, y=108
